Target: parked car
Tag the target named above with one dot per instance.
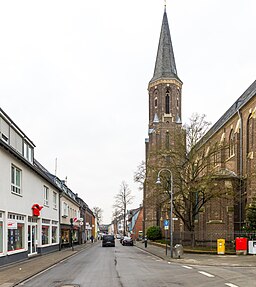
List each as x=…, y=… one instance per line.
x=108, y=240
x=127, y=241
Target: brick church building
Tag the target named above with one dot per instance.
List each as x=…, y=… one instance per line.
x=236, y=167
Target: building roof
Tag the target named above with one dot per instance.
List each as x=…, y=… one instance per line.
x=165, y=66
x=239, y=103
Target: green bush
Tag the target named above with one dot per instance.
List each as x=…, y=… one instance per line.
x=154, y=233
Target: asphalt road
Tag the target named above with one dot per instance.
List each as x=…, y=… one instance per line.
x=125, y=266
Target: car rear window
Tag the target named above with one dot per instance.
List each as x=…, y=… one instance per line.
x=108, y=237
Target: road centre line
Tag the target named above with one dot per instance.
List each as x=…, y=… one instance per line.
x=206, y=274
x=187, y=267
x=231, y=285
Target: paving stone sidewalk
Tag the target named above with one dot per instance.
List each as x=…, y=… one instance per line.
x=201, y=259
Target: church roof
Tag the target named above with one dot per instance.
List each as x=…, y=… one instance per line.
x=165, y=66
x=239, y=103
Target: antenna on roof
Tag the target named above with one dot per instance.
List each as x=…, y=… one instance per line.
x=56, y=166
x=165, y=5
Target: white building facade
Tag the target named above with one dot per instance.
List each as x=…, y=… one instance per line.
x=29, y=205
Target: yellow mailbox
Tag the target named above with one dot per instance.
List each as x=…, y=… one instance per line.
x=221, y=246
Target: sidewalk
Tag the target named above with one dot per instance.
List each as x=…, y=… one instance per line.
x=13, y=274
x=201, y=259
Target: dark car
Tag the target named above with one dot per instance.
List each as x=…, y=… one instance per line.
x=127, y=241
x=108, y=240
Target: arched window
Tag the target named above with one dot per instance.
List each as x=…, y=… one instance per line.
x=155, y=102
x=215, y=154
x=167, y=102
x=249, y=134
x=167, y=140
x=231, y=143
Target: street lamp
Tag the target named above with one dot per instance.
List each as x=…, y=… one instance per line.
x=169, y=190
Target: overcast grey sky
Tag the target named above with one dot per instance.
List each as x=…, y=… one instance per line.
x=74, y=76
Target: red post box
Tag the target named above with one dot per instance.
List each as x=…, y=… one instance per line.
x=241, y=245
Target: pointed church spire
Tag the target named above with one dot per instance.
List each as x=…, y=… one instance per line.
x=165, y=66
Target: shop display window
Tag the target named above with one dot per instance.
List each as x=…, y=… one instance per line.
x=64, y=236
x=16, y=237
x=75, y=236
x=54, y=234
x=45, y=234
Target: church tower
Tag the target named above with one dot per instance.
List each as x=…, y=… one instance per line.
x=164, y=119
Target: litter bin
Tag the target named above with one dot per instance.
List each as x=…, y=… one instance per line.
x=178, y=250
x=220, y=246
x=241, y=246
x=252, y=247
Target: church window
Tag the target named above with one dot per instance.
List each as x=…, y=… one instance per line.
x=167, y=140
x=249, y=134
x=167, y=102
x=215, y=155
x=155, y=102
x=231, y=143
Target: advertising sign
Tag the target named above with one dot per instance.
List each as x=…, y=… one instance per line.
x=12, y=224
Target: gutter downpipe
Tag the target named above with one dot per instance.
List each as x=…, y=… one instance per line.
x=60, y=195
x=240, y=168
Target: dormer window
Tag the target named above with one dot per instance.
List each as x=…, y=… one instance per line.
x=5, y=138
x=27, y=152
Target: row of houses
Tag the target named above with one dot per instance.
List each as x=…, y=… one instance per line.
x=132, y=225
x=38, y=212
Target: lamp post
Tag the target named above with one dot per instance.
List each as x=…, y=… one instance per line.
x=169, y=190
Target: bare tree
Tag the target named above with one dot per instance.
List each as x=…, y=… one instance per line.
x=140, y=175
x=97, y=211
x=122, y=200
x=196, y=178
x=115, y=218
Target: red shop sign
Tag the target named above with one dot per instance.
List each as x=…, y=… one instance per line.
x=36, y=208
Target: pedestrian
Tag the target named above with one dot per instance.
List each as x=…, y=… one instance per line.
x=92, y=238
x=146, y=241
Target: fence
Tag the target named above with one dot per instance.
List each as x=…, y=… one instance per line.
x=208, y=240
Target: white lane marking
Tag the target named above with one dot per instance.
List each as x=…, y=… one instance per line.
x=231, y=285
x=159, y=259
x=188, y=267
x=206, y=274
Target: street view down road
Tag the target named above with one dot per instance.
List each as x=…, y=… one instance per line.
x=127, y=266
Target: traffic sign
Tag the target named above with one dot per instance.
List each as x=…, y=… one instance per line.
x=166, y=222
